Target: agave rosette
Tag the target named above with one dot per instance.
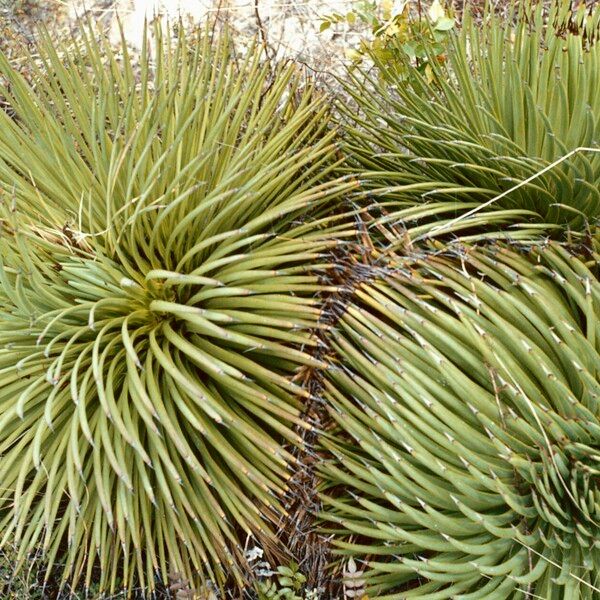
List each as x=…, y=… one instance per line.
x=162, y=241
x=467, y=387
x=500, y=140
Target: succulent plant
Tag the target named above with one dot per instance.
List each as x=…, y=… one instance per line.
x=170, y=223
x=502, y=141
x=466, y=385
x=164, y=226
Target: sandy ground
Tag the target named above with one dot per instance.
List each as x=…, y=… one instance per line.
x=290, y=27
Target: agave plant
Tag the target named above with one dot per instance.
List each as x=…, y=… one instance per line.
x=501, y=139
x=467, y=387
x=162, y=240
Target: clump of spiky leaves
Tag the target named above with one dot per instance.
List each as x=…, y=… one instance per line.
x=468, y=387
x=161, y=243
x=515, y=95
